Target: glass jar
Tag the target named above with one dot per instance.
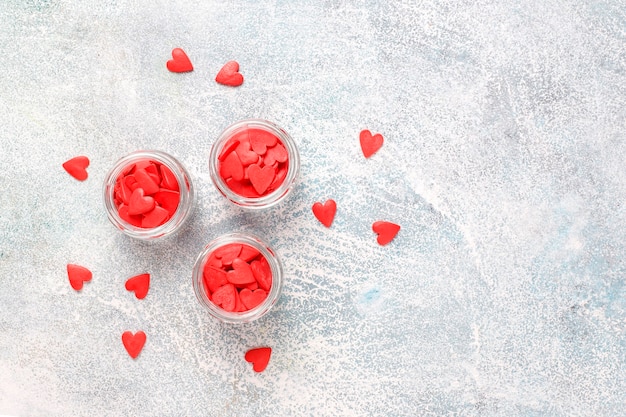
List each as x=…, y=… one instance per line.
x=148, y=195
x=254, y=163
x=222, y=282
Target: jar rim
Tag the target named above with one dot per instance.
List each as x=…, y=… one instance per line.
x=186, y=193
x=275, y=196
x=272, y=295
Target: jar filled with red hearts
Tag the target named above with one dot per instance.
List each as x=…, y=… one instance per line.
x=254, y=163
x=238, y=278
x=148, y=195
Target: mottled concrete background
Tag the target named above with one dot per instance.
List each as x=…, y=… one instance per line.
x=503, y=295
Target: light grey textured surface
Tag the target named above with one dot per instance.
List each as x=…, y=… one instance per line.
x=503, y=295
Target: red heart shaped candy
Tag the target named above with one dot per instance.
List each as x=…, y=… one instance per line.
x=168, y=200
x=370, y=144
x=133, y=342
x=213, y=277
x=261, y=139
x=226, y=297
x=77, y=167
x=386, y=231
x=259, y=358
x=139, y=284
x=252, y=299
x=262, y=273
x=180, y=61
x=139, y=204
x=261, y=178
x=154, y=218
x=241, y=274
x=231, y=167
x=229, y=74
x=77, y=275
x=325, y=213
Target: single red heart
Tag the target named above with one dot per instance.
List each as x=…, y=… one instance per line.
x=325, y=213
x=180, y=61
x=77, y=275
x=146, y=182
x=213, y=277
x=276, y=153
x=231, y=167
x=262, y=273
x=228, y=252
x=261, y=178
x=252, y=299
x=154, y=218
x=226, y=297
x=122, y=211
x=140, y=204
x=386, y=231
x=261, y=139
x=259, y=358
x=229, y=74
x=133, y=342
x=246, y=155
x=77, y=167
x=168, y=200
x=168, y=179
x=241, y=274
x=370, y=144
x=140, y=284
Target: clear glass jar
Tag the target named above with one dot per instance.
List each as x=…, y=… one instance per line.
x=205, y=261
x=172, y=178
x=252, y=141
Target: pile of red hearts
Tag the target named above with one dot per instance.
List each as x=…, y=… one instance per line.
x=236, y=277
x=253, y=163
x=146, y=194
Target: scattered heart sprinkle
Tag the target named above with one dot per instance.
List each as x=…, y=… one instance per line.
x=140, y=284
x=386, y=231
x=78, y=275
x=133, y=342
x=325, y=213
x=370, y=144
x=77, y=167
x=230, y=75
x=180, y=61
x=259, y=358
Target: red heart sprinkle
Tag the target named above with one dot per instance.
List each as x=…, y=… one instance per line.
x=77, y=275
x=261, y=178
x=241, y=274
x=213, y=277
x=168, y=200
x=133, y=342
x=154, y=218
x=261, y=139
x=122, y=210
x=248, y=253
x=226, y=297
x=168, y=179
x=77, y=167
x=146, y=182
x=276, y=153
x=252, y=299
x=180, y=61
x=370, y=144
x=140, y=204
x=386, y=231
x=259, y=358
x=229, y=74
x=246, y=155
x=230, y=146
x=228, y=252
x=139, y=284
x=231, y=167
x=325, y=213
x=262, y=273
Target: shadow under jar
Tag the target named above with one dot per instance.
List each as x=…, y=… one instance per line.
x=254, y=163
x=237, y=278
x=148, y=195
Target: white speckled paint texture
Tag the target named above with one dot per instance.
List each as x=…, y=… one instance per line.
x=504, y=293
